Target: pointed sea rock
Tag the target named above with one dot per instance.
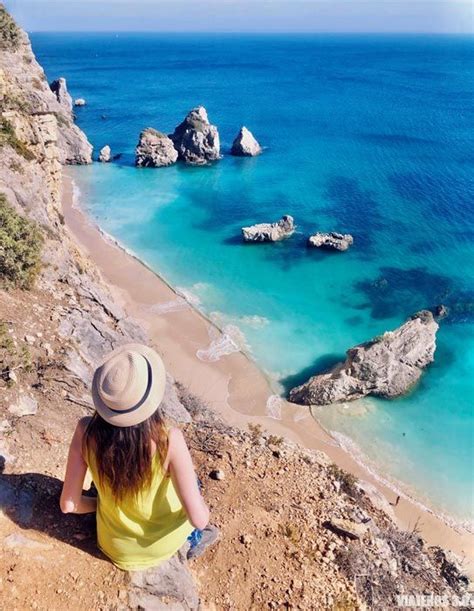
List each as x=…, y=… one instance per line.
x=195, y=139
x=59, y=88
x=105, y=154
x=245, y=144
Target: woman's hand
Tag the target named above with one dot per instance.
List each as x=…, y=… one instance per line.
x=72, y=500
x=185, y=480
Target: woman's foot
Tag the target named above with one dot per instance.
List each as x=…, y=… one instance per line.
x=208, y=537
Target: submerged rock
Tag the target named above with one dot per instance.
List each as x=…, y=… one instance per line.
x=195, y=139
x=79, y=102
x=105, y=154
x=269, y=232
x=331, y=240
x=154, y=150
x=387, y=366
x=59, y=88
x=245, y=144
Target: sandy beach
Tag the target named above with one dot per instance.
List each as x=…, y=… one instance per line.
x=233, y=385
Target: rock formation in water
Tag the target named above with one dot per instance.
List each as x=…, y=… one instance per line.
x=245, y=144
x=387, y=366
x=79, y=102
x=154, y=150
x=59, y=88
x=105, y=154
x=269, y=232
x=331, y=240
x=195, y=139
x=73, y=144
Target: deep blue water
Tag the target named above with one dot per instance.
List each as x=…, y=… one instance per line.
x=370, y=135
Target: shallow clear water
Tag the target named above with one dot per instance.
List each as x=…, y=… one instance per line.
x=369, y=135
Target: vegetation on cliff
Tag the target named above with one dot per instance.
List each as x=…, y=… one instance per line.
x=8, y=137
x=9, y=32
x=20, y=248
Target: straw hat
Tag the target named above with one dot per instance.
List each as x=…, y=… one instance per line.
x=129, y=385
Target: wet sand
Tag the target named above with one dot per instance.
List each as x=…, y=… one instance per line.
x=233, y=386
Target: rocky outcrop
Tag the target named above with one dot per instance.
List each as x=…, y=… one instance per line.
x=269, y=232
x=195, y=139
x=59, y=88
x=387, y=366
x=105, y=154
x=154, y=150
x=245, y=144
x=331, y=240
x=79, y=102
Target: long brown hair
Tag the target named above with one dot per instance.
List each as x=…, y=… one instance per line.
x=123, y=454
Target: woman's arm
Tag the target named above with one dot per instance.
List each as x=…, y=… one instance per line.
x=72, y=500
x=185, y=480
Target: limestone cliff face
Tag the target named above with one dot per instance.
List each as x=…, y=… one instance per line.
x=36, y=133
x=37, y=136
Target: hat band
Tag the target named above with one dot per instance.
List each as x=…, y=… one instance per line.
x=142, y=400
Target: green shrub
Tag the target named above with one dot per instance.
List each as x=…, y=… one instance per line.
x=9, y=32
x=20, y=248
x=347, y=480
x=8, y=137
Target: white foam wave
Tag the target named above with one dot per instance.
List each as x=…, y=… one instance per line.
x=76, y=195
x=219, y=347
x=174, y=305
x=188, y=295
x=274, y=407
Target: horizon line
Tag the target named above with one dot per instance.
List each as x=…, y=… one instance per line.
x=261, y=33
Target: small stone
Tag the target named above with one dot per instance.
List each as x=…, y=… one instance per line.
x=25, y=406
x=30, y=339
x=122, y=594
x=48, y=349
x=246, y=539
x=5, y=426
x=217, y=474
x=12, y=377
x=79, y=102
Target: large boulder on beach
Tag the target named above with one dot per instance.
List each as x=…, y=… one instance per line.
x=195, y=139
x=59, y=88
x=269, y=232
x=154, y=150
x=386, y=366
x=245, y=144
x=105, y=154
x=331, y=240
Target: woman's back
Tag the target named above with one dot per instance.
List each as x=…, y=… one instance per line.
x=140, y=531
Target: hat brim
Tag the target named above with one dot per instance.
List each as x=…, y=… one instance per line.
x=149, y=404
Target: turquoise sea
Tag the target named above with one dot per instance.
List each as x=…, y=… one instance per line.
x=371, y=135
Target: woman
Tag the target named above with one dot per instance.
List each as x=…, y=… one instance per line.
x=149, y=502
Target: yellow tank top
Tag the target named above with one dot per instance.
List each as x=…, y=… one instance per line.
x=140, y=532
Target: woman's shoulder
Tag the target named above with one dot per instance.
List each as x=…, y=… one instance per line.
x=82, y=424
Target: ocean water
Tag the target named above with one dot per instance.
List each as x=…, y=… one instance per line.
x=369, y=135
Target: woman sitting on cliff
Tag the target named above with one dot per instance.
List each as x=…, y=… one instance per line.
x=149, y=502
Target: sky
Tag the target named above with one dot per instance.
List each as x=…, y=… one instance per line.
x=444, y=16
